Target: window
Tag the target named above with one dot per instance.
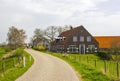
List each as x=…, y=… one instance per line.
x=81, y=38
x=81, y=31
x=88, y=38
x=91, y=48
x=72, y=48
x=74, y=38
x=60, y=48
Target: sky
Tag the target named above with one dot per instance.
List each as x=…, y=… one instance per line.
x=99, y=17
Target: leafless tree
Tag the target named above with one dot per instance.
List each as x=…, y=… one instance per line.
x=16, y=37
x=51, y=33
x=61, y=29
x=39, y=38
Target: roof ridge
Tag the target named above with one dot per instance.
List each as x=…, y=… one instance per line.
x=72, y=29
x=106, y=36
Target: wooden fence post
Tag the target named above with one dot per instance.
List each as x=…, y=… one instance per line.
x=87, y=59
x=95, y=63
x=30, y=58
x=68, y=56
x=75, y=57
x=13, y=62
x=24, y=61
x=105, y=66
x=79, y=59
x=18, y=59
x=117, y=68
x=3, y=66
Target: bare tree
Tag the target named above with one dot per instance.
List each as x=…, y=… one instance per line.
x=67, y=27
x=16, y=37
x=61, y=29
x=51, y=33
x=39, y=38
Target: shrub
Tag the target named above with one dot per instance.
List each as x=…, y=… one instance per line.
x=104, y=55
x=41, y=48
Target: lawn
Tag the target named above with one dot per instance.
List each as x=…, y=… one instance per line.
x=90, y=66
x=13, y=68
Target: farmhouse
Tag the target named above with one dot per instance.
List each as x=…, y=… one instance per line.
x=107, y=42
x=75, y=40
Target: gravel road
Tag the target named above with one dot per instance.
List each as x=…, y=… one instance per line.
x=48, y=68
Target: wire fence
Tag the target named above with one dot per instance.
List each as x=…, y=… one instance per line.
x=9, y=63
x=109, y=68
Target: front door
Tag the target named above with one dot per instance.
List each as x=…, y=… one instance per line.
x=82, y=48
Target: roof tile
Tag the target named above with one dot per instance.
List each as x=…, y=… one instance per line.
x=106, y=41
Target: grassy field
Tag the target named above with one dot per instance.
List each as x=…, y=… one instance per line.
x=13, y=68
x=2, y=52
x=90, y=67
x=98, y=64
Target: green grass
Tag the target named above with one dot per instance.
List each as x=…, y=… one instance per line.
x=11, y=72
x=86, y=69
x=2, y=51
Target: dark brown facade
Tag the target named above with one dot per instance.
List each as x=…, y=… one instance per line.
x=75, y=40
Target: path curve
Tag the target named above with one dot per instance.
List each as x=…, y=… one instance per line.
x=48, y=68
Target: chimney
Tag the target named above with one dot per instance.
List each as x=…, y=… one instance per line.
x=71, y=27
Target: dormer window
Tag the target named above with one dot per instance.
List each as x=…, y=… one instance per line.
x=74, y=38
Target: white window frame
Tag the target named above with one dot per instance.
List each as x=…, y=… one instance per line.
x=75, y=38
x=82, y=38
x=88, y=38
x=72, y=48
x=91, y=48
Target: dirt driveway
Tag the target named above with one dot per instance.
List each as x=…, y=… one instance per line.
x=48, y=68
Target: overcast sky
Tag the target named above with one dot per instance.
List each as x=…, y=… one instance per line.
x=99, y=17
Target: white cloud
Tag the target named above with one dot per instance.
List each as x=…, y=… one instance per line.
x=29, y=14
x=63, y=8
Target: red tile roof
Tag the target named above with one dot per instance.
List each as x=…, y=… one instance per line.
x=106, y=41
